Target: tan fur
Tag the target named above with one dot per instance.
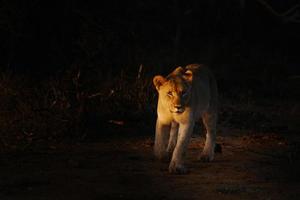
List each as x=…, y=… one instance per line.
x=185, y=96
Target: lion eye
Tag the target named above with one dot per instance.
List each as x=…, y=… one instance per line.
x=170, y=94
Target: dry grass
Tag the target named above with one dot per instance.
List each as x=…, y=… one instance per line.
x=57, y=108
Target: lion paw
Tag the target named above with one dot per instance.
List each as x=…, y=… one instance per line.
x=177, y=169
x=206, y=157
x=162, y=156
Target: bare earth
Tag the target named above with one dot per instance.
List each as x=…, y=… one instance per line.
x=251, y=166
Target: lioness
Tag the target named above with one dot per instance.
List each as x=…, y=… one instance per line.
x=185, y=96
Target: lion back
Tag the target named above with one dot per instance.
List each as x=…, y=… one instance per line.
x=202, y=71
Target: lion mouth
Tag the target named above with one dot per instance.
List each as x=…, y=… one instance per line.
x=177, y=111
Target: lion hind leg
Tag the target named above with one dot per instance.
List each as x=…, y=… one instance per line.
x=210, y=122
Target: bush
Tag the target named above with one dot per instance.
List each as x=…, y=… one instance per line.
x=59, y=107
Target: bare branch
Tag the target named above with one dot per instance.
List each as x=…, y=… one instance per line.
x=291, y=15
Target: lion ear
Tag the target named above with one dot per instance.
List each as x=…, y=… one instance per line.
x=188, y=75
x=158, y=81
x=178, y=70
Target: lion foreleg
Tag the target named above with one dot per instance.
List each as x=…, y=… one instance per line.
x=173, y=138
x=161, y=139
x=177, y=162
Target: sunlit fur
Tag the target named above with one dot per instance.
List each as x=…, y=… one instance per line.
x=185, y=96
x=177, y=94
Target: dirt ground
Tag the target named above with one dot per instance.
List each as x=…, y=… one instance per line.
x=251, y=166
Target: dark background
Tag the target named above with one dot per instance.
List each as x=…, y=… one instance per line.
x=78, y=107
x=46, y=36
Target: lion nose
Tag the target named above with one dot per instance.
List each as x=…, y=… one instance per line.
x=178, y=106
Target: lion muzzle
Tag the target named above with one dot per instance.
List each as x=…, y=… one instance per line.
x=178, y=109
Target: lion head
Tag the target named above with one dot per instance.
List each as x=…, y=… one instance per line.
x=175, y=89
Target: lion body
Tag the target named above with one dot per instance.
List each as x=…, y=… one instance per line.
x=185, y=97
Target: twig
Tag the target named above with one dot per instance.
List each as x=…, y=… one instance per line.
x=140, y=71
x=95, y=95
x=291, y=15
